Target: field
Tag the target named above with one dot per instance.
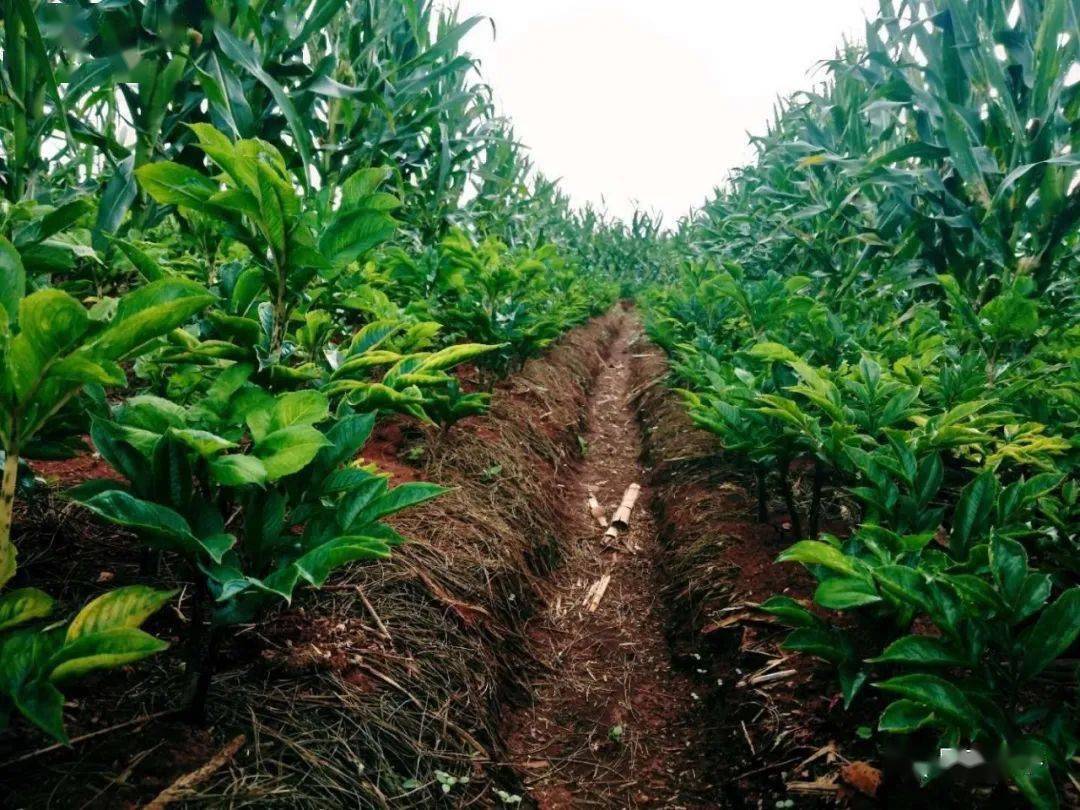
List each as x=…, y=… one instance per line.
x=347, y=462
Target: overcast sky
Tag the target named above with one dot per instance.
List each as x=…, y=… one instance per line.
x=651, y=100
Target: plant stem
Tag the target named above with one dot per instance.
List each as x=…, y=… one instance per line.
x=202, y=653
x=762, y=496
x=7, y=508
x=789, y=501
x=815, y=501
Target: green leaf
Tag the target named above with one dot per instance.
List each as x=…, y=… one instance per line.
x=147, y=267
x=921, y=651
x=12, y=279
x=52, y=322
x=936, y=694
x=844, y=593
x=315, y=566
x=1028, y=765
x=820, y=642
x=42, y=704
x=156, y=522
x=173, y=184
x=24, y=605
x=148, y=313
x=814, y=552
x=456, y=354
x=397, y=499
x=238, y=471
x=1055, y=632
x=122, y=608
x=289, y=450
x=790, y=612
x=347, y=438
x=974, y=511
x=299, y=408
x=904, y=717
x=203, y=442
x=107, y=649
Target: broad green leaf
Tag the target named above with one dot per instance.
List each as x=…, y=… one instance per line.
x=814, y=552
x=107, y=649
x=203, y=442
x=122, y=608
x=1028, y=765
x=921, y=651
x=315, y=566
x=974, y=511
x=299, y=408
x=820, y=642
x=1055, y=632
x=12, y=279
x=173, y=184
x=397, y=499
x=156, y=522
x=238, y=471
x=905, y=717
x=289, y=450
x=936, y=694
x=52, y=322
x=43, y=705
x=24, y=605
x=149, y=313
x=790, y=612
x=844, y=593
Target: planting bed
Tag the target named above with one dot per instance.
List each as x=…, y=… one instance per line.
x=776, y=720
x=369, y=692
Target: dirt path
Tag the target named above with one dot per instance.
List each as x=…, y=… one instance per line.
x=612, y=725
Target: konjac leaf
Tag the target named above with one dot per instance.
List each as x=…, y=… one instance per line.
x=814, y=552
x=315, y=565
x=24, y=605
x=790, y=612
x=844, y=593
x=289, y=450
x=238, y=471
x=974, y=511
x=905, y=717
x=107, y=649
x=1055, y=632
x=936, y=694
x=43, y=705
x=397, y=499
x=921, y=651
x=121, y=608
x=299, y=408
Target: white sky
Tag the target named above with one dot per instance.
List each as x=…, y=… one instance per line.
x=651, y=100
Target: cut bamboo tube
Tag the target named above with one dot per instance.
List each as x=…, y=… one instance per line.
x=597, y=511
x=621, y=519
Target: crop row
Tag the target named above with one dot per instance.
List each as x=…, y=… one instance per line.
x=231, y=236
x=880, y=317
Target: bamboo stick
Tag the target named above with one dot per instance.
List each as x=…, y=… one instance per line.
x=621, y=519
x=597, y=511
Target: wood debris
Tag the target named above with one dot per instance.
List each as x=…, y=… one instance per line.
x=597, y=511
x=823, y=786
x=181, y=787
x=862, y=776
x=596, y=593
